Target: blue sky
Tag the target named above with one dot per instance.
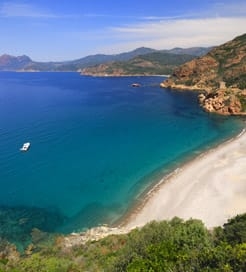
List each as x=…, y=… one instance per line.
x=65, y=30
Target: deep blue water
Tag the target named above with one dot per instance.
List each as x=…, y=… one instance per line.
x=95, y=144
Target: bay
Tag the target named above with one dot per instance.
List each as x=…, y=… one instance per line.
x=96, y=144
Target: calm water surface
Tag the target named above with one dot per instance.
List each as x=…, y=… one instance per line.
x=96, y=144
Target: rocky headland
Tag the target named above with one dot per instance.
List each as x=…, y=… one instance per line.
x=219, y=76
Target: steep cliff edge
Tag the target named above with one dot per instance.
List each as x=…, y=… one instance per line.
x=220, y=75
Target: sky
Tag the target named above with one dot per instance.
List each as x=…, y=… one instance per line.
x=58, y=30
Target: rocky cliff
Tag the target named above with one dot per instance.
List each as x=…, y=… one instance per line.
x=220, y=74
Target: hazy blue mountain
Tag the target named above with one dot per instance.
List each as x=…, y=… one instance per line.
x=8, y=62
x=25, y=63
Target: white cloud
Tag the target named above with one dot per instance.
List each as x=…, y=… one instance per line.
x=181, y=32
x=217, y=24
x=132, y=17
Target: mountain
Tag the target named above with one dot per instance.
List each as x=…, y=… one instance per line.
x=194, y=51
x=150, y=63
x=8, y=62
x=220, y=74
x=101, y=58
x=155, y=63
x=24, y=63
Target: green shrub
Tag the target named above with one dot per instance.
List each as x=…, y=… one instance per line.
x=174, y=245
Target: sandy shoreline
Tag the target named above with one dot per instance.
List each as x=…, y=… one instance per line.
x=211, y=187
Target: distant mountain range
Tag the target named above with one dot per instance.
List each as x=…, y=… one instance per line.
x=25, y=63
x=155, y=63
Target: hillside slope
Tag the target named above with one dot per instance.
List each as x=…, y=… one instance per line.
x=155, y=63
x=174, y=245
x=221, y=74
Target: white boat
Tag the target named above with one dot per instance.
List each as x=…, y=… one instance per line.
x=136, y=85
x=25, y=147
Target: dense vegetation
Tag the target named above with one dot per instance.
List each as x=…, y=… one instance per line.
x=174, y=245
x=232, y=59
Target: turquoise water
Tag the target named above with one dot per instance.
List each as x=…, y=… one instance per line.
x=95, y=145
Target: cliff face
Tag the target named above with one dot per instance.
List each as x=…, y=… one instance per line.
x=221, y=74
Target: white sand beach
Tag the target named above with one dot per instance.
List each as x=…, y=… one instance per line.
x=212, y=188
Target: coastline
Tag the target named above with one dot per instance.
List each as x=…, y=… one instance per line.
x=216, y=192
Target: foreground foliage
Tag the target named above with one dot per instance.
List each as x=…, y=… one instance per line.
x=174, y=245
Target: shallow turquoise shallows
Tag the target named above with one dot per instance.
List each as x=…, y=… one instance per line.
x=96, y=145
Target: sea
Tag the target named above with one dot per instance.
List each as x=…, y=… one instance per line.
x=97, y=144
